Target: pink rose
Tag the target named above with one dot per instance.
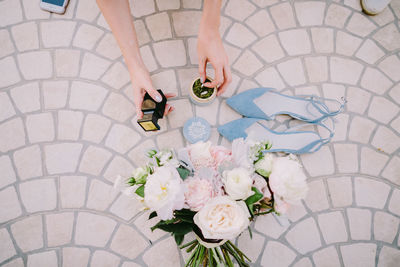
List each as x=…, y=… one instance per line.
x=220, y=154
x=198, y=192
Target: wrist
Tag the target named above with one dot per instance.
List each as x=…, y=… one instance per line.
x=210, y=19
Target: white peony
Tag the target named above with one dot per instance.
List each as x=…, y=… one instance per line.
x=264, y=165
x=164, y=192
x=199, y=191
x=222, y=218
x=200, y=154
x=238, y=183
x=287, y=180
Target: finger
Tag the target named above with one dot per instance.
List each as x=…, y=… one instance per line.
x=227, y=80
x=154, y=94
x=202, y=69
x=219, y=77
x=170, y=95
x=168, y=109
x=138, y=100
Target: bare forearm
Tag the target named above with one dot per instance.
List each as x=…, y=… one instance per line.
x=117, y=15
x=211, y=15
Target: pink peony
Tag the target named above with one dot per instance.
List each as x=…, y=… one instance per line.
x=220, y=154
x=198, y=192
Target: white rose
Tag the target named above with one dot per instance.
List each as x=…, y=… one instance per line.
x=287, y=180
x=222, y=218
x=164, y=192
x=237, y=183
x=200, y=154
x=264, y=165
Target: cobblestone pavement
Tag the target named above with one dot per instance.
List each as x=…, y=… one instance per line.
x=68, y=127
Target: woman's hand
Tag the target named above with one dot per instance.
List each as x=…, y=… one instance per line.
x=141, y=83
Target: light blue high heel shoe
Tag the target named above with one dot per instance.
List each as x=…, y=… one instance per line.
x=289, y=141
x=266, y=103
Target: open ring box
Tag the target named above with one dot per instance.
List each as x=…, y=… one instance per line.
x=152, y=112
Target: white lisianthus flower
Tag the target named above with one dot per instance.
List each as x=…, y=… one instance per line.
x=200, y=154
x=287, y=180
x=222, y=218
x=164, y=192
x=238, y=183
x=140, y=173
x=264, y=165
x=121, y=184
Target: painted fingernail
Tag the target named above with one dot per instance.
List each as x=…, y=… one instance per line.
x=158, y=98
x=202, y=80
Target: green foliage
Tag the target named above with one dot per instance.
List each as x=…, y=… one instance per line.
x=151, y=153
x=183, y=172
x=140, y=191
x=251, y=200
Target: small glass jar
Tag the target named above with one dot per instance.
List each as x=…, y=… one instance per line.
x=202, y=101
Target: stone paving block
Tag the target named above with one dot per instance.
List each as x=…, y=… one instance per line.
x=317, y=68
x=28, y=233
x=100, y=195
x=269, y=226
x=388, y=66
x=277, y=254
x=38, y=195
x=93, y=230
x=117, y=76
x=108, y=47
x=141, y=32
x=166, y=80
x=126, y=207
x=8, y=173
x=118, y=166
x=304, y=262
x=170, y=53
x=86, y=96
x=62, y=158
x=25, y=36
x=340, y=127
x=32, y=12
x=95, y=128
x=7, y=249
x=239, y=9
x=137, y=155
x=336, y=15
x=164, y=251
x=87, y=36
x=148, y=58
x=392, y=170
x=360, y=25
x=192, y=50
x=203, y=112
x=186, y=23
x=270, y=77
x=322, y=39
x=182, y=112
x=357, y=100
x=292, y=71
x=247, y=63
x=388, y=257
x=283, y=16
x=296, y=212
x=261, y=23
x=94, y=160
x=75, y=257
x=40, y=127
x=295, y=42
x=347, y=44
x=395, y=124
x=171, y=139
x=159, y=26
x=121, y=138
x=269, y=48
x=144, y=224
x=6, y=108
x=340, y=191
x=361, y=129
x=67, y=62
x=370, y=193
x=346, y=157
x=10, y=12
x=359, y=223
x=93, y=67
x=128, y=242
x=43, y=259
x=13, y=135
x=55, y=94
x=87, y=10
x=385, y=227
x=332, y=227
x=227, y=114
x=310, y=13
x=72, y=191
x=118, y=107
x=304, y=236
x=395, y=93
x=382, y=110
x=57, y=33
x=385, y=140
x=35, y=65
x=240, y=36
x=28, y=162
x=251, y=246
x=103, y=258
x=69, y=124
x=369, y=52
x=167, y=5
x=326, y=257
x=319, y=163
x=372, y=162
x=141, y=8
x=14, y=263
x=10, y=74
x=6, y=44
x=316, y=198
x=345, y=70
x=9, y=204
x=361, y=254
x=388, y=37
x=26, y=97
x=59, y=228
x=195, y=4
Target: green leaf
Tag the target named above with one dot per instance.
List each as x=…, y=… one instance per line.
x=131, y=181
x=257, y=196
x=151, y=153
x=179, y=239
x=140, y=191
x=152, y=215
x=177, y=228
x=183, y=172
x=142, y=180
x=250, y=232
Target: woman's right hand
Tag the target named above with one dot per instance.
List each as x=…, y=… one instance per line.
x=141, y=83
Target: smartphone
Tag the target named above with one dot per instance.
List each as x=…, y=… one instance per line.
x=56, y=6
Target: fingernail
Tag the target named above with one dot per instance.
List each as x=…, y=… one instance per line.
x=201, y=79
x=158, y=98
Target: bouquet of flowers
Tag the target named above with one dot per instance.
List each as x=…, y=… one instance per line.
x=215, y=193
